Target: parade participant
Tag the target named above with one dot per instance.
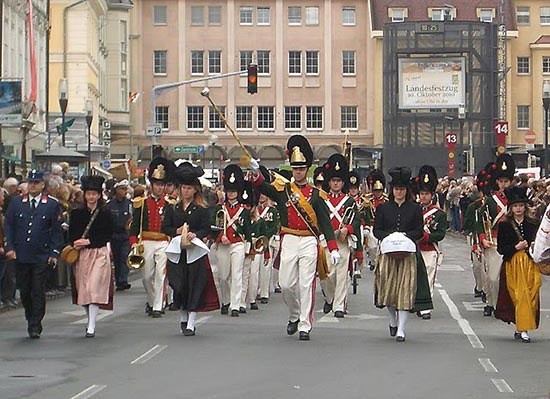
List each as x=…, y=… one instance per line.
x=121, y=211
x=520, y=280
x=192, y=282
x=400, y=283
x=270, y=215
x=344, y=218
x=318, y=178
x=90, y=230
x=33, y=239
x=3, y=194
x=496, y=207
x=231, y=232
x=435, y=227
x=305, y=227
x=376, y=182
x=361, y=202
x=154, y=242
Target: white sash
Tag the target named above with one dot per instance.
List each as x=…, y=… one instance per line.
x=231, y=222
x=503, y=210
x=264, y=212
x=335, y=210
x=430, y=213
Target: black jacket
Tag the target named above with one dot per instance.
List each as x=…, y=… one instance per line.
x=197, y=217
x=100, y=232
x=508, y=238
x=406, y=218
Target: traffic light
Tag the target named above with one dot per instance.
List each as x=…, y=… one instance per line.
x=252, y=79
x=157, y=151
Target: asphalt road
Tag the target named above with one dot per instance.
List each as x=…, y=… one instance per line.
x=457, y=354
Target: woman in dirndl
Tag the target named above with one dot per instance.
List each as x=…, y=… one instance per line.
x=193, y=283
x=400, y=282
x=92, y=273
x=520, y=280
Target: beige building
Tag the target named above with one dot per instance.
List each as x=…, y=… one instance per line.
x=312, y=76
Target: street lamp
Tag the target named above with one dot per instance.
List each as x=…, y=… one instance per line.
x=212, y=140
x=89, y=116
x=63, y=100
x=546, y=105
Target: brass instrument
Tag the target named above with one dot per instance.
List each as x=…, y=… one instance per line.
x=347, y=218
x=221, y=221
x=258, y=244
x=135, y=258
x=487, y=223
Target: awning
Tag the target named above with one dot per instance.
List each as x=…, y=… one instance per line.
x=102, y=172
x=10, y=158
x=60, y=154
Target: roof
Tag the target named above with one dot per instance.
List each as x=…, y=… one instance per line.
x=60, y=153
x=466, y=10
x=544, y=39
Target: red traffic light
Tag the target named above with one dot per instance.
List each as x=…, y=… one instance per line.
x=252, y=79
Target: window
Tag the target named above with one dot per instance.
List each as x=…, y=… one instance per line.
x=263, y=62
x=214, y=62
x=244, y=118
x=312, y=63
x=246, y=59
x=294, y=62
x=197, y=62
x=523, y=15
x=294, y=15
x=195, y=117
x=245, y=15
x=348, y=117
x=397, y=15
x=214, y=121
x=486, y=15
x=348, y=62
x=123, y=48
x=159, y=15
x=545, y=15
x=159, y=62
x=161, y=116
x=314, y=117
x=438, y=15
x=263, y=15
x=312, y=15
x=523, y=117
x=545, y=64
x=293, y=118
x=523, y=65
x=214, y=15
x=124, y=94
x=197, y=15
x=266, y=118
x=348, y=16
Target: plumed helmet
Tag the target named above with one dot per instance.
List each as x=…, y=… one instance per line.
x=427, y=179
x=160, y=170
x=505, y=167
x=299, y=151
x=336, y=166
x=354, y=179
x=376, y=180
x=233, y=178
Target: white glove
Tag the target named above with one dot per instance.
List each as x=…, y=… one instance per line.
x=254, y=165
x=334, y=257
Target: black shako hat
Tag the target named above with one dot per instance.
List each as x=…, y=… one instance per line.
x=401, y=176
x=485, y=178
x=265, y=173
x=318, y=177
x=187, y=174
x=505, y=167
x=160, y=170
x=92, y=183
x=427, y=179
x=376, y=180
x=233, y=178
x=249, y=195
x=516, y=194
x=336, y=166
x=299, y=151
x=354, y=179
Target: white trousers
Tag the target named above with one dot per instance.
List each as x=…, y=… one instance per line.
x=297, y=278
x=230, y=268
x=335, y=287
x=432, y=260
x=478, y=270
x=266, y=269
x=493, y=263
x=154, y=272
x=251, y=278
x=275, y=248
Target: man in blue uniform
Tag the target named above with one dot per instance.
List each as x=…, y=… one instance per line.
x=33, y=240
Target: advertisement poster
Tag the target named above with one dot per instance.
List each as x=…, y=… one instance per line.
x=426, y=83
x=10, y=102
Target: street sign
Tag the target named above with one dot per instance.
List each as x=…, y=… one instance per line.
x=154, y=129
x=187, y=149
x=530, y=137
x=106, y=164
x=106, y=135
x=501, y=127
x=200, y=149
x=530, y=146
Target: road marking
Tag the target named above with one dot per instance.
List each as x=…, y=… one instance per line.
x=328, y=319
x=474, y=306
x=437, y=285
x=101, y=315
x=202, y=320
x=450, y=268
x=487, y=365
x=365, y=316
x=151, y=353
x=502, y=385
x=463, y=323
x=89, y=392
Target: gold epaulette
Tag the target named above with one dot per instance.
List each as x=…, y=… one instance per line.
x=138, y=202
x=170, y=200
x=279, y=181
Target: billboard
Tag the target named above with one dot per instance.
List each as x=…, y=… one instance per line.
x=426, y=83
x=10, y=102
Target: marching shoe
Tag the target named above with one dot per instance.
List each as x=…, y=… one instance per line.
x=292, y=327
x=517, y=335
x=418, y=314
x=264, y=300
x=393, y=331
x=33, y=333
x=225, y=309
x=277, y=290
x=172, y=307
x=304, y=336
x=488, y=311
x=339, y=314
x=156, y=314
x=525, y=338
x=483, y=297
x=148, y=309
x=327, y=307
x=477, y=294
x=90, y=335
x=183, y=326
x=254, y=306
x=234, y=313
x=188, y=332
x=400, y=338
x=242, y=310
x=427, y=316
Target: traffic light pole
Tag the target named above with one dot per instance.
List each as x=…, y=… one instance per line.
x=161, y=89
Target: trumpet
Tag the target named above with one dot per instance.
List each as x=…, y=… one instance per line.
x=347, y=218
x=487, y=224
x=135, y=259
x=220, y=221
x=258, y=244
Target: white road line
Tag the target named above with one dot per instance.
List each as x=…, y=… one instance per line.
x=89, y=392
x=102, y=314
x=151, y=353
x=463, y=323
x=502, y=385
x=487, y=365
x=202, y=320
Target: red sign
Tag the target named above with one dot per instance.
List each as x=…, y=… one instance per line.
x=530, y=137
x=501, y=131
x=451, y=139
